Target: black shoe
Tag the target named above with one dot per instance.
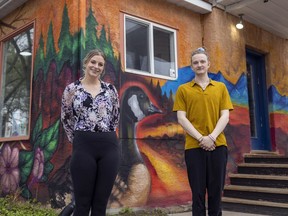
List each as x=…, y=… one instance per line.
x=68, y=210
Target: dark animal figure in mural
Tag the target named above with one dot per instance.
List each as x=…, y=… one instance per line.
x=60, y=185
x=132, y=186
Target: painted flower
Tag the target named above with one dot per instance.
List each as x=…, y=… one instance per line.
x=9, y=171
x=38, y=166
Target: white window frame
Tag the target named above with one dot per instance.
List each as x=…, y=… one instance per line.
x=151, y=72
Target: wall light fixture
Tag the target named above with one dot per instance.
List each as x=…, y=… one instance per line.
x=240, y=25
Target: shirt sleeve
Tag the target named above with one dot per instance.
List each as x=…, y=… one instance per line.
x=179, y=104
x=116, y=108
x=67, y=116
x=226, y=101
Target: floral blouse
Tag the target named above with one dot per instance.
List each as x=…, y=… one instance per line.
x=81, y=112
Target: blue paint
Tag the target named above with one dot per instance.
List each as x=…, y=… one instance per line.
x=238, y=91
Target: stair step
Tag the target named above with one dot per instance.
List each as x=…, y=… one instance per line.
x=252, y=176
x=262, y=157
x=262, y=153
x=257, y=189
x=263, y=168
x=252, y=206
x=274, y=181
x=256, y=193
x=263, y=165
x=255, y=202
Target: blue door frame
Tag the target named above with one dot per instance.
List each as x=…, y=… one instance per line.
x=258, y=101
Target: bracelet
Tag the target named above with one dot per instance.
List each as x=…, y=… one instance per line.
x=211, y=137
x=200, y=139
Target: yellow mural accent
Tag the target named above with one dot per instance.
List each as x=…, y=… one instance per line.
x=170, y=129
x=174, y=179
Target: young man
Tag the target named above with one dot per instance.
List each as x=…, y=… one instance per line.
x=203, y=107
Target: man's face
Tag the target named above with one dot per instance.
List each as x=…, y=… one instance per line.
x=200, y=64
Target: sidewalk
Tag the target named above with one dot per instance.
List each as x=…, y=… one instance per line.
x=189, y=213
x=224, y=213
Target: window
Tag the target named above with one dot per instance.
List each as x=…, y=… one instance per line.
x=150, y=49
x=15, y=86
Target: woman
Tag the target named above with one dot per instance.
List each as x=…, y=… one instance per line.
x=90, y=116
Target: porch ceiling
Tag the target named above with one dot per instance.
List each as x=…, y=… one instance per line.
x=271, y=15
x=6, y=6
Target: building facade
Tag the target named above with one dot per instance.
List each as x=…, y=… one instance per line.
x=148, y=45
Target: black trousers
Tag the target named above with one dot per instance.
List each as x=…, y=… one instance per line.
x=206, y=172
x=94, y=165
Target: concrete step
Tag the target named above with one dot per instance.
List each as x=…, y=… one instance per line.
x=260, y=186
x=252, y=206
x=257, y=193
x=263, y=169
x=273, y=181
x=265, y=157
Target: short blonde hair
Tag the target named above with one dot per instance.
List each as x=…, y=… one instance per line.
x=200, y=50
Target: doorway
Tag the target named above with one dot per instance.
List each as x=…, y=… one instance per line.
x=258, y=101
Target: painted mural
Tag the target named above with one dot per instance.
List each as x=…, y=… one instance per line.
x=153, y=171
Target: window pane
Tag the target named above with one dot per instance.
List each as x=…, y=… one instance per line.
x=15, y=86
x=137, y=44
x=164, y=59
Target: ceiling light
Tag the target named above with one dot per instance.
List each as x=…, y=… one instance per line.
x=240, y=24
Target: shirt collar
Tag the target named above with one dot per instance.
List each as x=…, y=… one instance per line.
x=212, y=82
x=104, y=85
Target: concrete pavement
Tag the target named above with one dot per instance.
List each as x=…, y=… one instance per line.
x=224, y=213
x=189, y=213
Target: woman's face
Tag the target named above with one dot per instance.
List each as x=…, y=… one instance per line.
x=95, y=67
x=200, y=63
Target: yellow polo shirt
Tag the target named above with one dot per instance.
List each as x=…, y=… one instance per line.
x=203, y=108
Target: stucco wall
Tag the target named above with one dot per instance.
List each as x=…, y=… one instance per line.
x=227, y=49
x=160, y=179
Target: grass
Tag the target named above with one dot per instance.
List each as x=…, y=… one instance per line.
x=12, y=205
x=9, y=206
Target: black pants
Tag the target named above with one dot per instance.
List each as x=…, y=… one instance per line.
x=94, y=165
x=206, y=171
